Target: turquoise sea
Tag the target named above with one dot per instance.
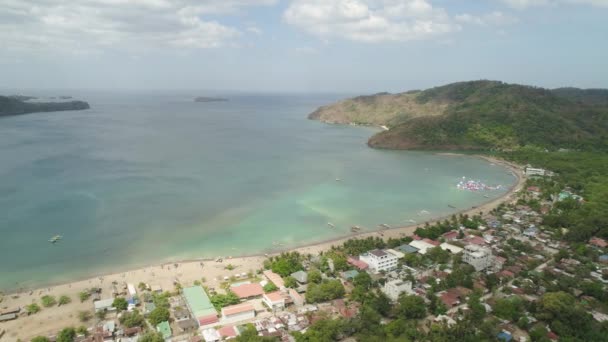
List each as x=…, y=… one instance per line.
x=143, y=178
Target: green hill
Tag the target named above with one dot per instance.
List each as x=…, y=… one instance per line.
x=16, y=105
x=491, y=115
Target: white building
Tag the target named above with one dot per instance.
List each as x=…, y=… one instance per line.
x=479, y=257
x=392, y=289
x=379, y=260
x=451, y=248
x=274, y=300
x=531, y=171
x=104, y=305
x=422, y=246
x=237, y=313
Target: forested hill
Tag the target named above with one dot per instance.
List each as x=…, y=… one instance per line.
x=15, y=105
x=487, y=115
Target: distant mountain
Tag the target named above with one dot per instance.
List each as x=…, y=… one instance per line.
x=480, y=115
x=18, y=104
x=209, y=99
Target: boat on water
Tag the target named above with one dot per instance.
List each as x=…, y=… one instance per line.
x=355, y=228
x=338, y=180
x=384, y=225
x=451, y=206
x=486, y=196
x=331, y=225
x=55, y=239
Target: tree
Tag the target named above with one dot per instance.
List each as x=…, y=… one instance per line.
x=135, y=319
x=219, y=300
x=63, y=300
x=142, y=286
x=285, y=264
x=82, y=330
x=66, y=335
x=326, y=290
x=84, y=316
x=270, y=287
x=40, y=339
x=290, y=282
x=158, y=315
x=477, y=310
x=314, y=276
x=120, y=304
x=411, y=307
x=84, y=295
x=363, y=279
x=32, y=308
x=249, y=334
x=151, y=336
x=101, y=314
x=48, y=301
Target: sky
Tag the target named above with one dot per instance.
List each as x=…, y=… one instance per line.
x=339, y=46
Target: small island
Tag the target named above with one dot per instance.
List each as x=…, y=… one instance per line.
x=210, y=99
x=19, y=104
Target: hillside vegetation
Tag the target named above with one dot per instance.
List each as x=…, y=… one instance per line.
x=482, y=115
x=16, y=105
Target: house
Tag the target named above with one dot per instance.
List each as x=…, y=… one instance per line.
x=603, y=259
x=475, y=240
x=274, y=300
x=300, y=276
x=297, y=298
x=451, y=248
x=379, y=260
x=228, y=332
x=274, y=278
x=211, y=335
x=8, y=317
x=407, y=249
x=451, y=235
x=349, y=275
x=454, y=296
x=239, y=312
x=247, y=291
x=164, y=329
x=480, y=258
x=186, y=325
x=598, y=242
x=531, y=232
x=432, y=242
x=361, y=265
x=531, y=171
x=200, y=305
x=156, y=289
x=504, y=336
x=394, y=288
x=421, y=245
x=104, y=305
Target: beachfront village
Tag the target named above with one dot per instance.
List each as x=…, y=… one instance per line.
x=495, y=276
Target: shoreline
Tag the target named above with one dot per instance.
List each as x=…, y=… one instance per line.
x=210, y=273
x=515, y=171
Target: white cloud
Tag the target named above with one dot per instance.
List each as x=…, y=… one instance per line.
x=370, y=20
x=523, y=4
x=495, y=18
x=88, y=25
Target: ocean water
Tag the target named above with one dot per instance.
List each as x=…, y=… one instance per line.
x=143, y=178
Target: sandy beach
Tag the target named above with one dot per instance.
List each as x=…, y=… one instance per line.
x=50, y=320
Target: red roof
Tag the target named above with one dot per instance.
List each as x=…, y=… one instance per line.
x=274, y=278
x=361, y=265
x=206, y=320
x=533, y=189
x=432, y=242
x=248, y=290
x=506, y=273
x=451, y=235
x=598, y=242
x=236, y=309
x=416, y=237
x=552, y=336
x=476, y=240
x=227, y=331
x=276, y=296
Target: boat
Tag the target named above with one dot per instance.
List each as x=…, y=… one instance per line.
x=55, y=239
x=338, y=180
x=355, y=228
x=486, y=196
x=451, y=206
x=412, y=221
x=331, y=225
x=385, y=226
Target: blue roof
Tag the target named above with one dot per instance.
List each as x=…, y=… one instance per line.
x=504, y=336
x=350, y=274
x=604, y=257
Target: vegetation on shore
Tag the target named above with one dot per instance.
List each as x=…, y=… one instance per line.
x=17, y=105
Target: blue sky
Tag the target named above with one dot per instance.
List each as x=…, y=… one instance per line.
x=354, y=46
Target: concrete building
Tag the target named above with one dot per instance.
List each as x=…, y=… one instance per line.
x=451, y=248
x=392, y=289
x=104, y=305
x=379, y=260
x=422, y=246
x=274, y=300
x=479, y=257
x=237, y=313
x=200, y=305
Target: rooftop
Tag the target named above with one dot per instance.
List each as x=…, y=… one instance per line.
x=236, y=309
x=198, y=301
x=276, y=296
x=377, y=252
x=274, y=278
x=248, y=290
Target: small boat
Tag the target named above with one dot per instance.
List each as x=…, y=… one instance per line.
x=55, y=239
x=451, y=206
x=355, y=228
x=486, y=196
x=385, y=226
x=412, y=221
x=338, y=180
x=331, y=225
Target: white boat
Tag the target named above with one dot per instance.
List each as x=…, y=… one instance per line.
x=55, y=239
x=331, y=225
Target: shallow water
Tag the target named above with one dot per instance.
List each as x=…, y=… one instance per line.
x=143, y=178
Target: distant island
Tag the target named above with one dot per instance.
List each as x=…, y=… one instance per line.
x=209, y=99
x=19, y=104
x=479, y=115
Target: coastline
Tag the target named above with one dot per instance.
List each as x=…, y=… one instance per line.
x=188, y=270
